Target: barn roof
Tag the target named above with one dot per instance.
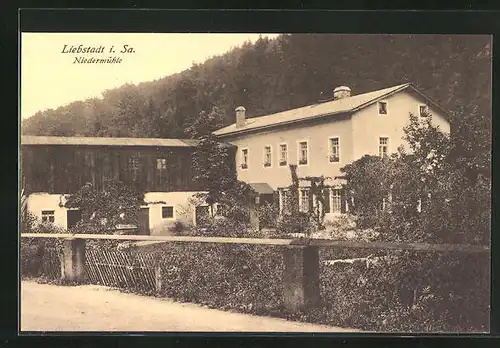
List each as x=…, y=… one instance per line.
x=102, y=141
x=319, y=110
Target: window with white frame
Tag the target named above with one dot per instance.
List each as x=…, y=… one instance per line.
x=161, y=170
x=267, y=156
x=383, y=147
x=382, y=108
x=283, y=155
x=304, y=200
x=303, y=153
x=161, y=163
x=335, y=206
x=244, y=158
x=48, y=216
x=334, y=150
x=423, y=110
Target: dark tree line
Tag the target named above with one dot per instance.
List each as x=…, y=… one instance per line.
x=291, y=71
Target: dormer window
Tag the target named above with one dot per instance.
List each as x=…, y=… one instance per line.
x=382, y=108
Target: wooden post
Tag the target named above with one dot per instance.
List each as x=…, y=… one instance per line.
x=73, y=262
x=301, y=277
x=158, y=279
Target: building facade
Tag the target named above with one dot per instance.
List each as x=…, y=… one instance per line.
x=54, y=167
x=323, y=137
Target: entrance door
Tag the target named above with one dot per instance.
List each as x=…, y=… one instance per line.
x=73, y=216
x=266, y=198
x=143, y=222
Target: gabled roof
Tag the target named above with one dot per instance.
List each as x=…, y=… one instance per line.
x=101, y=141
x=316, y=111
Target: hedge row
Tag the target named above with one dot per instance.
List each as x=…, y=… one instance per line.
x=398, y=291
x=401, y=291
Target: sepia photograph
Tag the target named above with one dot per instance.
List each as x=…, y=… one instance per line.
x=255, y=182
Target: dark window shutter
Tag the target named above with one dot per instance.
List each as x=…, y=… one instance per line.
x=310, y=201
x=326, y=198
x=343, y=202
x=276, y=198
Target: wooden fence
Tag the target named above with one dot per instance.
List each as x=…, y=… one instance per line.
x=121, y=269
x=135, y=270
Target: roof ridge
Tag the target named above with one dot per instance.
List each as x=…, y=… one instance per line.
x=93, y=137
x=336, y=100
x=343, y=105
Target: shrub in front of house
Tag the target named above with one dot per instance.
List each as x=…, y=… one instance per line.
x=222, y=227
x=392, y=291
x=169, y=228
x=268, y=214
x=246, y=278
x=299, y=222
x=408, y=292
x=39, y=257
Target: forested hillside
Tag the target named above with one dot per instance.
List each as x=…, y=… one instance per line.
x=286, y=72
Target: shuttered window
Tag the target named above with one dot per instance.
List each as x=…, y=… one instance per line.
x=343, y=202
x=326, y=200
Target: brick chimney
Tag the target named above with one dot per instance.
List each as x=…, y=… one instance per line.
x=240, y=117
x=341, y=92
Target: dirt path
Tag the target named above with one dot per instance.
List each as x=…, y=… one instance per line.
x=94, y=308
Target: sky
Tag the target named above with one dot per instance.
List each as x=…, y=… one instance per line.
x=50, y=77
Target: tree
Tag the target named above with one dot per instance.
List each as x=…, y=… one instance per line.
x=103, y=210
x=213, y=164
x=368, y=181
x=428, y=190
x=211, y=159
x=435, y=199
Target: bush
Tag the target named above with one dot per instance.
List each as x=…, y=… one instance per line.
x=247, y=278
x=34, y=252
x=28, y=223
x=294, y=223
x=268, y=214
x=403, y=291
x=177, y=227
x=222, y=227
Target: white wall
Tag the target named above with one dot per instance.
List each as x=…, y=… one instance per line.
x=359, y=135
x=368, y=125
x=37, y=202
x=181, y=201
x=184, y=210
x=318, y=141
